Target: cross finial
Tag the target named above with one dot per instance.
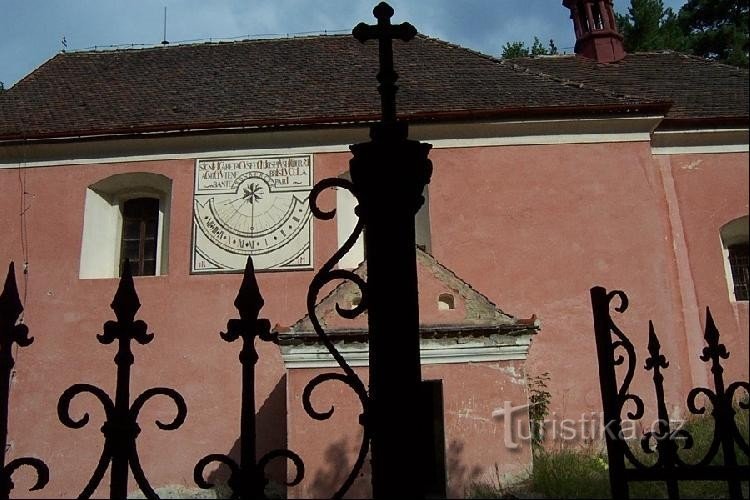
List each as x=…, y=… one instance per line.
x=385, y=33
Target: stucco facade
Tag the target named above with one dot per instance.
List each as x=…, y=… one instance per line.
x=550, y=176
x=531, y=226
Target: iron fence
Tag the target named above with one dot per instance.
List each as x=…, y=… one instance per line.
x=662, y=441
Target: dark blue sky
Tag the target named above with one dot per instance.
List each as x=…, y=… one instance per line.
x=31, y=30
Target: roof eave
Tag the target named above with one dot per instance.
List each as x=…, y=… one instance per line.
x=348, y=120
x=425, y=332
x=712, y=122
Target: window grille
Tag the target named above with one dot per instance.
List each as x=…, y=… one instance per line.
x=738, y=261
x=140, y=229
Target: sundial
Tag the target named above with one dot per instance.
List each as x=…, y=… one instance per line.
x=252, y=206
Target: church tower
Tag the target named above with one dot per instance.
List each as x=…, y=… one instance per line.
x=596, y=32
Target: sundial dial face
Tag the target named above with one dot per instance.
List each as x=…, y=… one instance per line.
x=255, y=206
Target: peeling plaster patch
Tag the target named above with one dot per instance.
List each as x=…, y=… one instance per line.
x=469, y=413
x=693, y=165
x=513, y=373
x=71, y=317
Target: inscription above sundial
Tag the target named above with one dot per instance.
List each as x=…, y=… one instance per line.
x=252, y=206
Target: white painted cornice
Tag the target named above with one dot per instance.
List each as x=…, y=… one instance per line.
x=432, y=351
x=695, y=141
x=145, y=147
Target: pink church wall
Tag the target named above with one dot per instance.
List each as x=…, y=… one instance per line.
x=534, y=227
x=186, y=313
x=712, y=190
x=531, y=227
x=474, y=441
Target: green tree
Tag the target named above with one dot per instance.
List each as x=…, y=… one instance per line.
x=717, y=29
x=512, y=50
x=649, y=26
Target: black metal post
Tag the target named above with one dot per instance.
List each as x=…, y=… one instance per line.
x=665, y=442
x=120, y=434
x=609, y=390
x=252, y=483
x=247, y=480
x=10, y=333
x=121, y=427
x=390, y=173
x=723, y=411
x=613, y=349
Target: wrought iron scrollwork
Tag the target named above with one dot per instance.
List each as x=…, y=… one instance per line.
x=247, y=479
x=326, y=275
x=661, y=440
x=121, y=427
x=13, y=333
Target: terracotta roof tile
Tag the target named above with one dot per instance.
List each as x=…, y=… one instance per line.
x=698, y=88
x=274, y=82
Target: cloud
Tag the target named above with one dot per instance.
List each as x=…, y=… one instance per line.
x=32, y=29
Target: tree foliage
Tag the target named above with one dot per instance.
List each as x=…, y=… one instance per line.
x=717, y=29
x=714, y=29
x=512, y=50
x=649, y=26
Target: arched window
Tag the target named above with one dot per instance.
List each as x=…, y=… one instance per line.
x=126, y=216
x=736, y=247
x=347, y=220
x=140, y=232
x=446, y=302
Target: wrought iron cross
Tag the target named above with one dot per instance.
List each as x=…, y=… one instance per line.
x=385, y=33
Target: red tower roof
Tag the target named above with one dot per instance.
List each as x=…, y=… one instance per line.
x=596, y=31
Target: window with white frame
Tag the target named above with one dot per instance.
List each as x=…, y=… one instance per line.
x=736, y=247
x=126, y=216
x=347, y=220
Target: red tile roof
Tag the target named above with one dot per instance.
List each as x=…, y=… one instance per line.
x=281, y=82
x=700, y=89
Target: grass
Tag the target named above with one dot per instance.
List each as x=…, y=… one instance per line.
x=583, y=472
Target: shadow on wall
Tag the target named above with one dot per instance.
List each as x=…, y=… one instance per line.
x=271, y=435
x=460, y=476
x=339, y=460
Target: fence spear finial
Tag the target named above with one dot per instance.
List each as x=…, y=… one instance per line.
x=125, y=303
x=10, y=301
x=249, y=301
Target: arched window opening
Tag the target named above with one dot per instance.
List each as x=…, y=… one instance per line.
x=735, y=239
x=346, y=220
x=126, y=216
x=140, y=232
x=446, y=302
x=356, y=301
x=583, y=19
x=598, y=19
x=738, y=263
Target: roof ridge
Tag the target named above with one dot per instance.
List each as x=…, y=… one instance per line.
x=685, y=55
x=331, y=296
x=452, y=275
x=440, y=41
x=579, y=84
x=515, y=67
x=444, y=275
x=270, y=37
x=712, y=62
